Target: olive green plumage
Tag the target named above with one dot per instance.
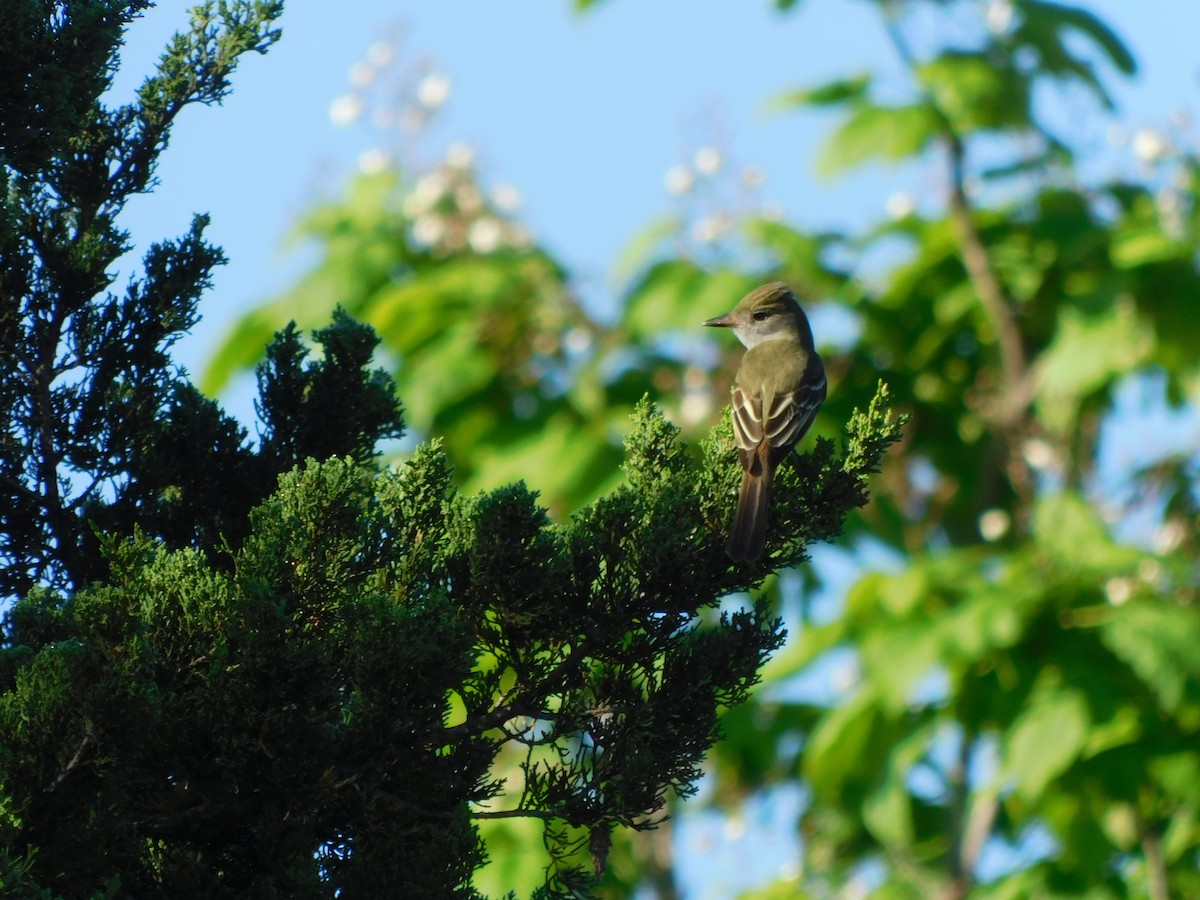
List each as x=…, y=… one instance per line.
x=777, y=391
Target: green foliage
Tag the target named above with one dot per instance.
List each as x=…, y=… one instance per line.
x=336, y=701
x=103, y=433
x=1016, y=692
x=273, y=670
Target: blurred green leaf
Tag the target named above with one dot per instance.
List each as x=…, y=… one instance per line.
x=831, y=93
x=869, y=132
x=1139, y=246
x=1047, y=29
x=1072, y=536
x=975, y=94
x=678, y=294
x=1088, y=354
x=1045, y=739
x=840, y=743
x=1158, y=640
x=639, y=252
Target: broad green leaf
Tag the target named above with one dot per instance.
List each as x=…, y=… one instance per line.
x=1159, y=641
x=840, y=742
x=242, y=347
x=446, y=372
x=660, y=301
x=804, y=647
x=887, y=133
x=887, y=812
x=639, y=252
x=1123, y=728
x=1050, y=30
x=830, y=93
x=679, y=295
x=1139, y=246
x=1089, y=352
x=1087, y=23
x=1045, y=739
x=974, y=93
x=1179, y=774
x=1072, y=536
x=895, y=659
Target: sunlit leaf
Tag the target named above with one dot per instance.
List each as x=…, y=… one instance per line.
x=974, y=93
x=1159, y=642
x=840, y=742
x=642, y=248
x=1132, y=247
x=1087, y=23
x=1045, y=740
x=870, y=132
x=1071, y=534
x=1089, y=352
x=830, y=93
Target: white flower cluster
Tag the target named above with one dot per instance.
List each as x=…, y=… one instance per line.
x=450, y=214
x=389, y=96
x=448, y=211
x=701, y=181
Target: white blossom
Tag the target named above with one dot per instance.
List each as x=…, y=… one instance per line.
x=429, y=230
x=1040, y=454
x=345, y=109
x=506, y=197
x=901, y=204
x=1169, y=536
x=433, y=90
x=468, y=199
x=679, y=180
x=754, y=177
x=707, y=229
x=373, y=161
x=517, y=236
x=484, y=235
x=380, y=53
x=577, y=340
x=460, y=155
x=362, y=74
x=994, y=524
x=998, y=16
x=1150, y=146
x=426, y=194
x=708, y=161
x=1118, y=590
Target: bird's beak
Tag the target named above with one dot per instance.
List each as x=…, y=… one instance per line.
x=725, y=321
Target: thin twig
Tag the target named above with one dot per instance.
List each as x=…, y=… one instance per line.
x=1156, y=867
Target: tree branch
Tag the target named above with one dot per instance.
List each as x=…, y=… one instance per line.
x=506, y=711
x=1017, y=389
x=1157, y=885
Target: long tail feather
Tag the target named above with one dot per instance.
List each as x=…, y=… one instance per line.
x=748, y=532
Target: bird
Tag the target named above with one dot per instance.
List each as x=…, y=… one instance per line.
x=778, y=388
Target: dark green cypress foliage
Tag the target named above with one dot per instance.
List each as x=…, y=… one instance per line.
x=270, y=670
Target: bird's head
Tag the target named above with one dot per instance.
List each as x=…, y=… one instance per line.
x=768, y=312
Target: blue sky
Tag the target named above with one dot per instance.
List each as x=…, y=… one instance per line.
x=584, y=115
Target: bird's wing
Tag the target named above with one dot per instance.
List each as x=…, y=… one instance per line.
x=784, y=422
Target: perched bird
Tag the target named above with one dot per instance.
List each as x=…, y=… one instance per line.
x=777, y=391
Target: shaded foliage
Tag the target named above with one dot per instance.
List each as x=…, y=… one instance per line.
x=1016, y=712
x=270, y=669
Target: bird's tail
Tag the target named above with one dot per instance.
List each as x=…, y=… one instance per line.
x=748, y=532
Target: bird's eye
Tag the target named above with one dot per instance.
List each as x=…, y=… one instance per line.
x=762, y=314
